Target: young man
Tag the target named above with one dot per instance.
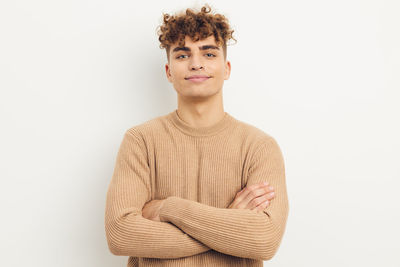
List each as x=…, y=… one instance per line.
x=196, y=187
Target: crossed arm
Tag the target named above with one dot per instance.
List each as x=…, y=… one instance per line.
x=128, y=232
x=188, y=227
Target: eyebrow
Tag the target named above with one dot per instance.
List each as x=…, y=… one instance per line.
x=185, y=48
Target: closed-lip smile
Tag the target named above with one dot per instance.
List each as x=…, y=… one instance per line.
x=197, y=78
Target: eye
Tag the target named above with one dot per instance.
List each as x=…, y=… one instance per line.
x=180, y=56
x=212, y=55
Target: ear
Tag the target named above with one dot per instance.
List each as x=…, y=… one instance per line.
x=227, y=70
x=168, y=72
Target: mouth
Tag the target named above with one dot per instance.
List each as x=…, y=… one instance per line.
x=198, y=78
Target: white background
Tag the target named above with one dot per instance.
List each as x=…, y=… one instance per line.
x=322, y=77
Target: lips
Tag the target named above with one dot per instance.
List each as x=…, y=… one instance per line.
x=197, y=78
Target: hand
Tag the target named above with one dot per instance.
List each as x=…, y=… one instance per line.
x=151, y=209
x=254, y=197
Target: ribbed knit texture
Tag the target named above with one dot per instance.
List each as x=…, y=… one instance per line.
x=198, y=171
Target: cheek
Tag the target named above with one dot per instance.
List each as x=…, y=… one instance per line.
x=172, y=75
x=176, y=73
x=219, y=71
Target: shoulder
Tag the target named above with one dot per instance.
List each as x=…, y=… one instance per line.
x=254, y=136
x=262, y=146
x=147, y=128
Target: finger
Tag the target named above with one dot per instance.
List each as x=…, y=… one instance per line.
x=248, y=193
x=270, y=191
x=261, y=206
x=263, y=184
x=258, y=201
x=250, y=188
x=271, y=194
x=255, y=194
x=244, y=199
x=258, y=185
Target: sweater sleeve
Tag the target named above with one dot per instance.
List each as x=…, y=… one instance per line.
x=128, y=233
x=239, y=232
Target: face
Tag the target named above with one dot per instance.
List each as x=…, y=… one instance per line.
x=203, y=59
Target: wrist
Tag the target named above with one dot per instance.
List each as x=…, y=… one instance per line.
x=167, y=207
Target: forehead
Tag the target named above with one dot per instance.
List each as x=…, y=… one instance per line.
x=190, y=43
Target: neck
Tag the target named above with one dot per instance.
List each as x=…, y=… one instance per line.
x=199, y=112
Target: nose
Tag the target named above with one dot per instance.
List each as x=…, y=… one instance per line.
x=195, y=63
x=196, y=67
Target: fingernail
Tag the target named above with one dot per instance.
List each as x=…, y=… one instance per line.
x=271, y=188
x=265, y=183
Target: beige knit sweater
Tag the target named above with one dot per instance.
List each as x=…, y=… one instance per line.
x=198, y=171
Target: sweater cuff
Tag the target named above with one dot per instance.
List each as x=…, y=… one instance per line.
x=172, y=205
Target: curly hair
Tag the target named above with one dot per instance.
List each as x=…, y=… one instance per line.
x=196, y=25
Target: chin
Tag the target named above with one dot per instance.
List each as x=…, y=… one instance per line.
x=199, y=93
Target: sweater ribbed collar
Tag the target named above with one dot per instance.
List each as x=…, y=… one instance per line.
x=200, y=131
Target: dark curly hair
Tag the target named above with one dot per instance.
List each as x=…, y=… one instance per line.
x=196, y=25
